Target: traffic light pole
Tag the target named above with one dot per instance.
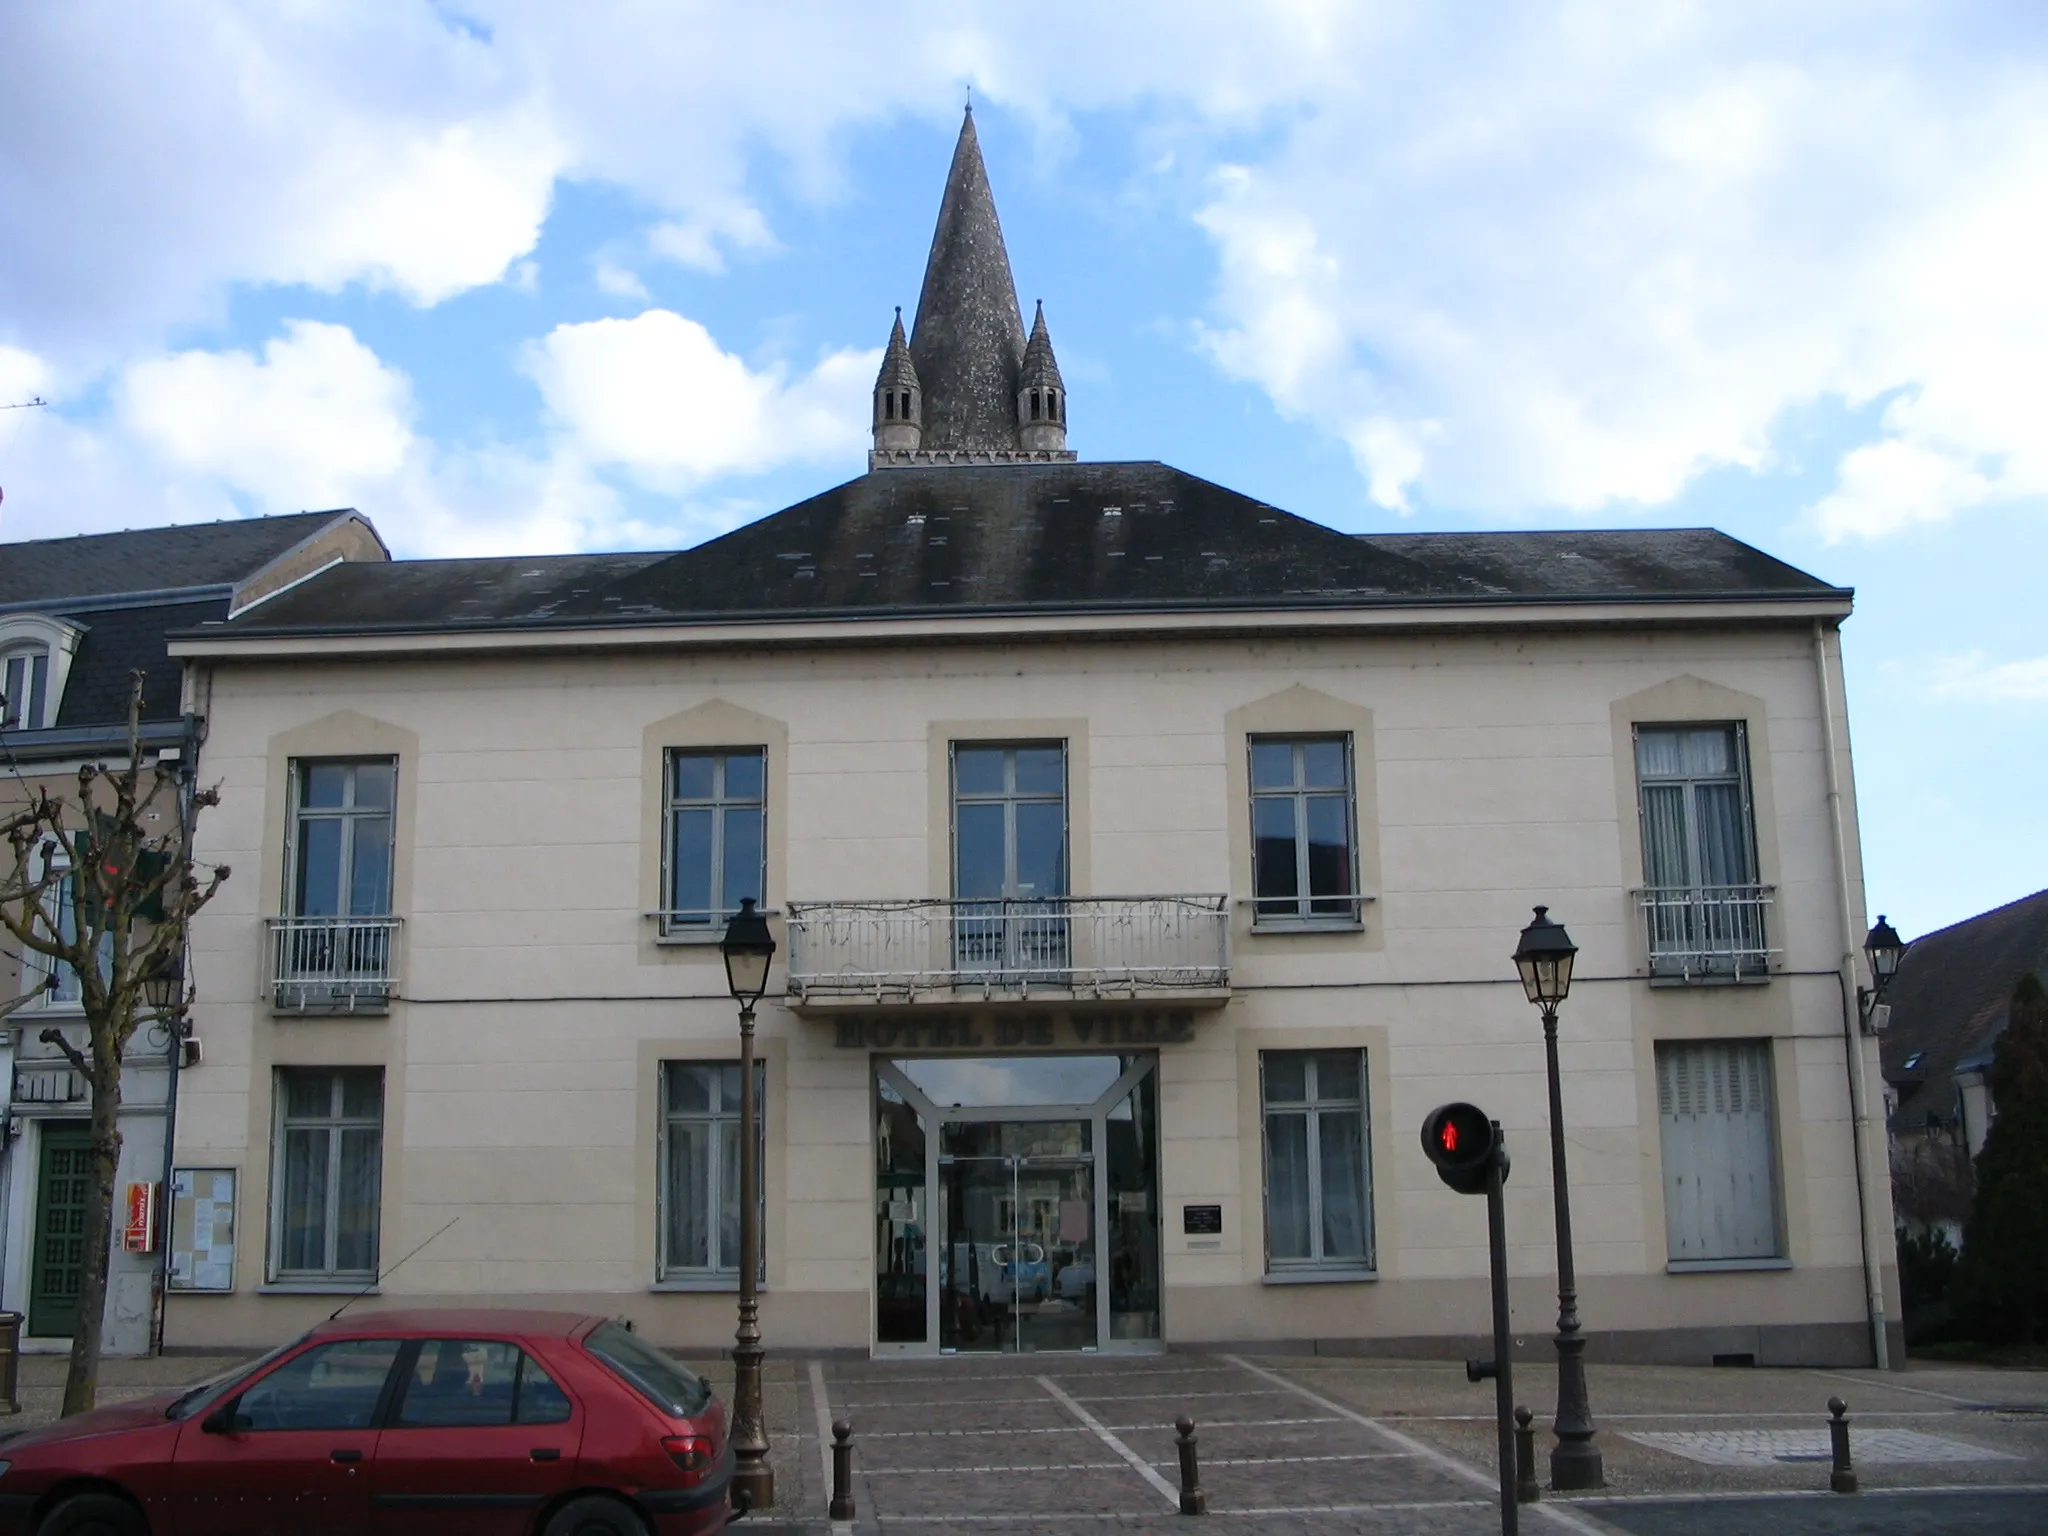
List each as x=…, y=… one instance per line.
x=1503, y=1359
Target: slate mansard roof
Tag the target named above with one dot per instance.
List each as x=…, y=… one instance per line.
x=1032, y=538
x=150, y=559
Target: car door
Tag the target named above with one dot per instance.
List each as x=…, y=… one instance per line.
x=480, y=1435
x=290, y=1453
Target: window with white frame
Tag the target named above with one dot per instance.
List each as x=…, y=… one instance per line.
x=25, y=689
x=1318, y=1167
x=327, y=1164
x=1720, y=1151
x=1704, y=909
x=716, y=849
x=700, y=1169
x=55, y=983
x=341, y=836
x=1304, y=831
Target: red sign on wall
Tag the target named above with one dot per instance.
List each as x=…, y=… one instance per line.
x=138, y=1230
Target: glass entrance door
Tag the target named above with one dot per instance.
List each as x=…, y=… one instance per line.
x=1017, y=1204
x=1018, y=1243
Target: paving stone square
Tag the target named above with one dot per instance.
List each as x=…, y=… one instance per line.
x=1765, y=1447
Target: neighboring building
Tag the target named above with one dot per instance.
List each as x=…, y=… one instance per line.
x=1949, y=1004
x=78, y=618
x=1147, y=862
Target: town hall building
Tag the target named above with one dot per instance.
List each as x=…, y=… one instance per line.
x=1145, y=863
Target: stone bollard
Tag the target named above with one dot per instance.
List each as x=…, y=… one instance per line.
x=842, y=1471
x=1527, y=1489
x=1843, y=1478
x=1192, y=1500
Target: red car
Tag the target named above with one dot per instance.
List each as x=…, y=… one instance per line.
x=469, y=1422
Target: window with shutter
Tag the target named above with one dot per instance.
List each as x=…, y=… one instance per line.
x=1720, y=1162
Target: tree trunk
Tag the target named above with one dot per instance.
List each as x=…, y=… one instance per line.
x=81, y=1382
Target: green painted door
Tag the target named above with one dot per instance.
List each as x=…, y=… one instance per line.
x=63, y=1186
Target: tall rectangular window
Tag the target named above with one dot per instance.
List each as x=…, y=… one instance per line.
x=1704, y=908
x=1304, y=842
x=1010, y=857
x=1720, y=1160
x=717, y=848
x=341, y=837
x=1318, y=1169
x=24, y=690
x=700, y=1168
x=55, y=983
x=327, y=1157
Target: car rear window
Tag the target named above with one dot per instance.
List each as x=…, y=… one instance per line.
x=664, y=1381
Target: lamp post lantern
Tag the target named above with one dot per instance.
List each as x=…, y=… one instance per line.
x=1544, y=958
x=1884, y=949
x=748, y=947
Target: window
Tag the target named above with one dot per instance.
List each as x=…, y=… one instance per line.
x=1010, y=857
x=478, y=1383
x=662, y=1379
x=1720, y=1167
x=717, y=836
x=330, y=1386
x=25, y=689
x=328, y=1152
x=700, y=1169
x=341, y=838
x=1703, y=906
x=1318, y=1174
x=1304, y=848
x=61, y=917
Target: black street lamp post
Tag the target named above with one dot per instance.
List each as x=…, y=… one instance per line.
x=748, y=947
x=1884, y=949
x=1544, y=958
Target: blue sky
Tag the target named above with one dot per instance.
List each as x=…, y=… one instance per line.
x=515, y=276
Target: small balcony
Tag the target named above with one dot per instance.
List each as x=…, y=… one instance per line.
x=1707, y=933
x=327, y=965
x=844, y=952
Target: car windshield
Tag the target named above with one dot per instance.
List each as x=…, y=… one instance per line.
x=664, y=1381
x=194, y=1398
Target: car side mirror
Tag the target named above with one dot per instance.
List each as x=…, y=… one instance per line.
x=224, y=1420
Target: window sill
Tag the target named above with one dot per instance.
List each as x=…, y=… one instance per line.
x=1721, y=1266
x=1274, y=925
x=706, y=1284
x=708, y=938
x=1746, y=979
x=1318, y=1276
x=318, y=1288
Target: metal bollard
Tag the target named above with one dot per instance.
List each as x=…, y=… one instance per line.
x=1843, y=1478
x=1192, y=1500
x=842, y=1471
x=1527, y=1489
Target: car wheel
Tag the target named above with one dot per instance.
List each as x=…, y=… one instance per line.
x=94, y=1514
x=593, y=1515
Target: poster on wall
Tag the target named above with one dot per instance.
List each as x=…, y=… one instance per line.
x=202, y=1229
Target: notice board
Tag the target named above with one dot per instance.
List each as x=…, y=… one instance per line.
x=202, y=1229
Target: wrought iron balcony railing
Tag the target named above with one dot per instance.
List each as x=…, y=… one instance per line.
x=1068, y=943
x=333, y=964
x=1699, y=932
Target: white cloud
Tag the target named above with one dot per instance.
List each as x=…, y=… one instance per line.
x=620, y=282
x=317, y=417
x=657, y=396
x=1977, y=677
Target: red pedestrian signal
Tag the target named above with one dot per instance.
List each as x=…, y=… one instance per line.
x=1464, y=1144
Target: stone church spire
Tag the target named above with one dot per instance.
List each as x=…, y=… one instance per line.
x=1041, y=394
x=899, y=397
x=967, y=349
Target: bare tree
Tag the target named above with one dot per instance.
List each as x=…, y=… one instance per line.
x=101, y=884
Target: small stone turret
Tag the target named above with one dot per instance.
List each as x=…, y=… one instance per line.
x=1041, y=395
x=899, y=398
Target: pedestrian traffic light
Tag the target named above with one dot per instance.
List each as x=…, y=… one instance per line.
x=1463, y=1142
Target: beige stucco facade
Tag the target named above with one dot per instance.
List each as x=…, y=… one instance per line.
x=535, y=999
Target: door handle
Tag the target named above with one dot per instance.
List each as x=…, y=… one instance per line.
x=545, y=1453
x=345, y=1456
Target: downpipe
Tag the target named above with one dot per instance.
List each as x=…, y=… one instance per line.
x=1852, y=1043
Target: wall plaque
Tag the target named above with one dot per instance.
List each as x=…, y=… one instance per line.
x=1201, y=1220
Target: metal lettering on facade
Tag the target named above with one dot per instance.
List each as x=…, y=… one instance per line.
x=61, y=1086
x=1011, y=1031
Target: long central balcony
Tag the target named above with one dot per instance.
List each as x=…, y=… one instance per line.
x=843, y=952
